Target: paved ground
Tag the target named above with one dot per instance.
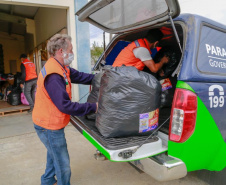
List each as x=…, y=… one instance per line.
x=22, y=159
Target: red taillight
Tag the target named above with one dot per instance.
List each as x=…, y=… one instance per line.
x=183, y=115
x=90, y=88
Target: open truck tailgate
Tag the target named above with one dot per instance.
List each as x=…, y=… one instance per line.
x=115, y=148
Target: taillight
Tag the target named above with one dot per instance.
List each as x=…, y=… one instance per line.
x=90, y=88
x=183, y=115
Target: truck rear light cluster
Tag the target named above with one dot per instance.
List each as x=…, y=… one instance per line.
x=183, y=115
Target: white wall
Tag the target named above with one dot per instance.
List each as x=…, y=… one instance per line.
x=49, y=21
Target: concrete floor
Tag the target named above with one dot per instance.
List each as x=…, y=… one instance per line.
x=23, y=157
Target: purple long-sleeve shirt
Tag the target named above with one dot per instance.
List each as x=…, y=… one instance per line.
x=56, y=87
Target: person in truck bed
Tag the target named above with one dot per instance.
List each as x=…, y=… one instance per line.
x=138, y=53
x=53, y=107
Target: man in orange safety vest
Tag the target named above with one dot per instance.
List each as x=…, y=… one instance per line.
x=28, y=80
x=138, y=53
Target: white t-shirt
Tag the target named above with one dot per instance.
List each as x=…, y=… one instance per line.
x=142, y=53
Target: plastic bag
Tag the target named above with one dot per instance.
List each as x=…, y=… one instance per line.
x=17, y=79
x=94, y=94
x=128, y=103
x=23, y=99
x=168, y=89
x=14, y=97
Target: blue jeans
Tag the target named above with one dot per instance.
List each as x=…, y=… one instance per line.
x=58, y=162
x=29, y=92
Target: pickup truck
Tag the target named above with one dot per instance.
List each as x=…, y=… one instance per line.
x=194, y=136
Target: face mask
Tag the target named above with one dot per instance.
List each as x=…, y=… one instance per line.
x=68, y=60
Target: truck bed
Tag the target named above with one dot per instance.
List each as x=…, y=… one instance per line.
x=109, y=143
x=121, y=149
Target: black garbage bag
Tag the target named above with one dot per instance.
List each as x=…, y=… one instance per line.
x=128, y=103
x=14, y=97
x=17, y=79
x=9, y=88
x=94, y=94
x=174, y=59
x=164, y=114
x=168, y=89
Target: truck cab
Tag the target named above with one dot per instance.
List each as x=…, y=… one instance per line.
x=194, y=136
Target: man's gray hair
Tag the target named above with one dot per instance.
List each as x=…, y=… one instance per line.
x=57, y=42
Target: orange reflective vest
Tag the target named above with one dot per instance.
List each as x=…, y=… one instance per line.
x=45, y=113
x=127, y=57
x=29, y=69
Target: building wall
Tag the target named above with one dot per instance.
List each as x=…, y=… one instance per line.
x=82, y=50
x=13, y=46
x=49, y=21
x=31, y=29
x=68, y=7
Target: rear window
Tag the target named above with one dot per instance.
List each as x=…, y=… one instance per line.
x=122, y=13
x=212, y=51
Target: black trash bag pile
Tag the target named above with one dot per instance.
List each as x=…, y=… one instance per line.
x=14, y=97
x=94, y=94
x=128, y=103
x=9, y=89
x=174, y=59
x=17, y=79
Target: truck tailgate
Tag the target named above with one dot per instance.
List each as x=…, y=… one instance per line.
x=113, y=148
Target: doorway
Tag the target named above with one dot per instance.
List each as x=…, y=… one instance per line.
x=13, y=66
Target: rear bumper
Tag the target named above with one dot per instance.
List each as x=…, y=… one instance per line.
x=162, y=167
